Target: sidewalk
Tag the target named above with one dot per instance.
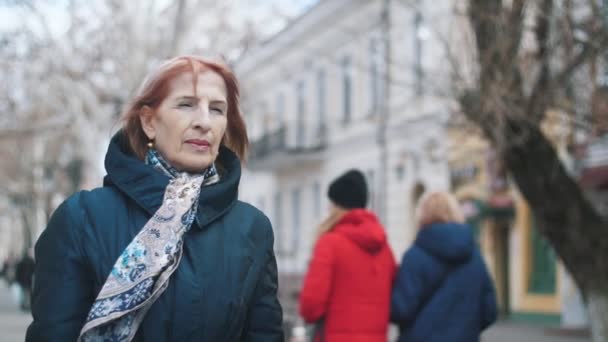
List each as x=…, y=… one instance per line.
x=13, y=322
x=516, y=332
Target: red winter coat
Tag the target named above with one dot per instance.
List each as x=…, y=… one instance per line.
x=349, y=280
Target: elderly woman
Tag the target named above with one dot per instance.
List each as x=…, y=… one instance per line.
x=442, y=291
x=163, y=251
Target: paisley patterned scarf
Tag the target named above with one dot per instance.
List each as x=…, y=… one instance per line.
x=141, y=273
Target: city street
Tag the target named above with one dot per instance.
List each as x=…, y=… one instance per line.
x=508, y=332
x=13, y=324
x=368, y=157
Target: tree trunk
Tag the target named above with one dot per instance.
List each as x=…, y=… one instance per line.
x=598, y=315
x=577, y=232
x=563, y=215
x=511, y=118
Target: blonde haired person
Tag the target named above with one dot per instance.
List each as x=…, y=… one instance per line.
x=348, y=284
x=443, y=291
x=335, y=215
x=438, y=207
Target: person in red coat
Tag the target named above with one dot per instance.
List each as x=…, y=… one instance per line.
x=347, y=288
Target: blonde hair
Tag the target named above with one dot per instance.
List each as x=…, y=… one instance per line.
x=335, y=214
x=438, y=207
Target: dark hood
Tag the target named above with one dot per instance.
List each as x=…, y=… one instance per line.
x=363, y=228
x=146, y=186
x=450, y=242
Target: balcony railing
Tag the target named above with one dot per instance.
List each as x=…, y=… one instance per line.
x=592, y=166
x=268, y=143
x=288, y=142
x=596, y=153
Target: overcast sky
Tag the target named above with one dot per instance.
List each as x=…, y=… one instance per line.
x=12, y=16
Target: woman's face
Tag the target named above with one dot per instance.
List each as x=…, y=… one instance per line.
x=187, y=127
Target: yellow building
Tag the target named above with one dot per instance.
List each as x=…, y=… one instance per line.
x=528, y=277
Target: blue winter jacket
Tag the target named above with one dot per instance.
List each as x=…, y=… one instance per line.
x=443, y=291
x=225, y=288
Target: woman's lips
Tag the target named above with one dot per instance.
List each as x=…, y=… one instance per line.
x=199, y=144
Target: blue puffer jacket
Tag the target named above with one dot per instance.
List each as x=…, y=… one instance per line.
x=225, y=288
x=443, y=291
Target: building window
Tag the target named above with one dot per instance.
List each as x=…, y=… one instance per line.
x=420, y=34
x=400, y=172
x=322, y=103
x=464, y=174
x=300, y=112
x=265, y=117
x=417, y=191
x=371, y=189
x=346, y=90
x=296, y=219
x=280, y=117
x=261, y=203
x=374, y=79
x=278, y=222
x=316, y=197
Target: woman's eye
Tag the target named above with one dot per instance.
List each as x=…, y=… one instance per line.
x=185, y=105
x=217, y=110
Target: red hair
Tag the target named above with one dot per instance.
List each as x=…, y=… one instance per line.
x=155, y=89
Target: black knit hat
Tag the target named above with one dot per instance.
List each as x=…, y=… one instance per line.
x=349, y=191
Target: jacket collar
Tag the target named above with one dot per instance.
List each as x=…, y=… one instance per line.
x=146, y=186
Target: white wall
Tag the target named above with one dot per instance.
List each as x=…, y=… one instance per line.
x=321, y=39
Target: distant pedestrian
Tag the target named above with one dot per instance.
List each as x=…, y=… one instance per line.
x=9, y=269
x=443, y=291
x=24, y=274
x=4, y=271
x=347, y=288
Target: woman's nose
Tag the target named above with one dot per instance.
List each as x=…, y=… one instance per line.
x=202, y=119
